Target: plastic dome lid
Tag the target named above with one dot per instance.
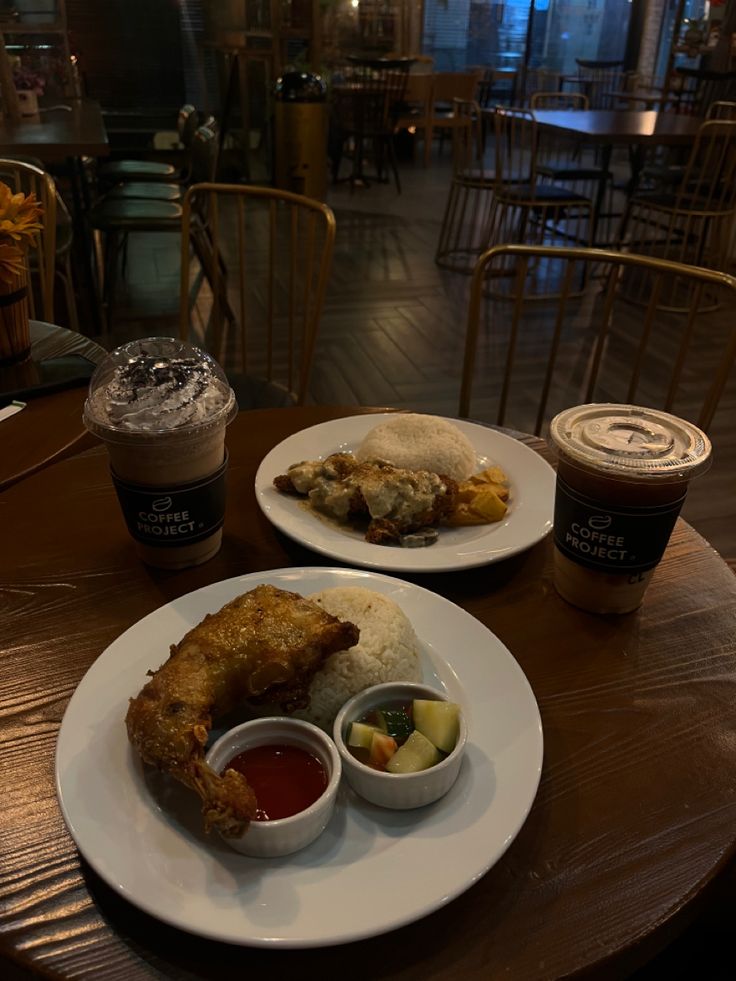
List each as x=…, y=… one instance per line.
x=631, y=442
x=157, y=385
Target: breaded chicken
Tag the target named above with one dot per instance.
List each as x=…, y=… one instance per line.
x=267, y=642
x=394, y=501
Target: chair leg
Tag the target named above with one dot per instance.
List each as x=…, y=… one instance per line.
x=67, y=279
x=393, y=162
x=428, y=137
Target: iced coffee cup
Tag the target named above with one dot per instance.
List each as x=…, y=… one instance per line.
x=622, y=476
x=161, y=407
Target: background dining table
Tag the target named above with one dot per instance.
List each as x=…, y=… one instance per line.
x=634, y=817
x=608, y=128
x=53, y=385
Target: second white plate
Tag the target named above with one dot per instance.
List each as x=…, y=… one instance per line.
x=372, y=870
x=528, y=520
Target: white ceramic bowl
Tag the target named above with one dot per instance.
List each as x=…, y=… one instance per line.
x=400, y=791
x=268, y=839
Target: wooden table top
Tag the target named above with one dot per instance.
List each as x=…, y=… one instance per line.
x=635, y=812
x=621, y=125
x=50, y=427
x=56, y=134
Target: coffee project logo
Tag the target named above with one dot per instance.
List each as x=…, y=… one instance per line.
x=174, y=516
x=592, y=539
x=614, y=538
x=163, y=522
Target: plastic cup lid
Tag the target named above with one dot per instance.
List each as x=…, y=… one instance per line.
x=157, y=385
x=630, y=441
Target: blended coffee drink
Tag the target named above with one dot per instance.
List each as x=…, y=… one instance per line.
x=622, y=477
x=161, y=406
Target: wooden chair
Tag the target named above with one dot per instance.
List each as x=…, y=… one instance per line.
x=112, y=220
x=417, y=111
x=525, y=208
x=28, y=178
x=162, y=190
x=722, y=110
x=596, y=347
x=689, y=217
x=64, y=241
x=265, y=258
x=537, y=80
x=562, y=159
x=598, y=80
x=466, y=221
x=449, y=86
x=154, y=170
x=496, y=87
x=366, y=103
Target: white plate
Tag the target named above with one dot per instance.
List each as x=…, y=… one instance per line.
x=529, y=518
x=141, y=832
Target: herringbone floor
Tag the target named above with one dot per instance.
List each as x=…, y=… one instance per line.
x=393, y=328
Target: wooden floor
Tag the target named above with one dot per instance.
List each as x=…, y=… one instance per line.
x=393, y=327
x=392, y=335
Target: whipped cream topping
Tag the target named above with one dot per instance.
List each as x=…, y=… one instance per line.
x=152, y=393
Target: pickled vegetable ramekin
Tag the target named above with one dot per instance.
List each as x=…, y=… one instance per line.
x=400, y=791
x=269, y=839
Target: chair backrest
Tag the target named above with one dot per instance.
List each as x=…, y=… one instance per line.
x=418, y=94
x=594, y=64
x=515, y=146
x=266, y=257
x=28, y=178
x=591, y=345
x=495, y=86
x=370, y=96
x=709, y=181
x=722, y=110
x=467, y=141
x=559, y=100
x=455, y=85
x=539, y=80
x=600, y=83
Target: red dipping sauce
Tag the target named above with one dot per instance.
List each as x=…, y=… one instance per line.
x=285, y=779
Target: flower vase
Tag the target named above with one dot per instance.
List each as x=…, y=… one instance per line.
x=15, y=327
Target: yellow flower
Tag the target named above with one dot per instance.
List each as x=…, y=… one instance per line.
x=11, y=262
x=19, y=216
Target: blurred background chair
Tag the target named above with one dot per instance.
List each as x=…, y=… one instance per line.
x=415, y=113
x=367, y=98
x=599, y=80
x=537, y=80
x=113, y=219
x=154, y=170
x=594, y=346
x=256, y=287
x=497, y=87
x=25, y=177
x=466, y=221
x=64, y=269
x=565, y=160
x=687, y=215
x=165, y=190
x=526, y=208
x=449, y=86
x=722, y=109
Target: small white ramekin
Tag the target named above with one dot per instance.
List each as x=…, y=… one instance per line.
x=400, y=791
x=269, y=839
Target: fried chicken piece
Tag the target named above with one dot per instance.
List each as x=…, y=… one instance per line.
x=267, y=641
